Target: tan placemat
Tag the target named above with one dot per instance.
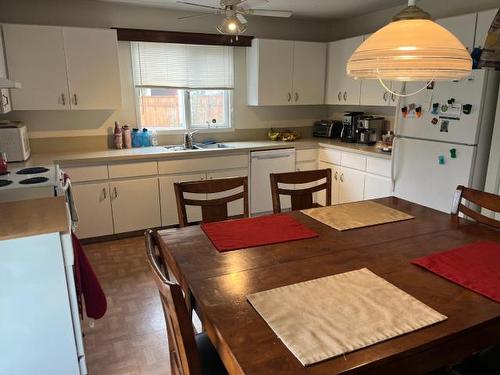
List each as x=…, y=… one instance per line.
x=356, y=215
x=334, y=315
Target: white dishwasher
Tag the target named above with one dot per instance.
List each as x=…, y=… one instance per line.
x=263, y=163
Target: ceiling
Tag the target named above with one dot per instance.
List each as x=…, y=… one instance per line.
x=325, y=9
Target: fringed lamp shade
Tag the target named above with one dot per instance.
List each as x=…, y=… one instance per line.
x=411, y=48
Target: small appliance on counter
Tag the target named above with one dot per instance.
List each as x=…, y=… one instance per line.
x=370, y=129
x=14, y=141
x=349, y=126
x=327, y=129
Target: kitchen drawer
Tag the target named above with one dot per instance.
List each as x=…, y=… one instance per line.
x=378, y=166
x=330, y=156
x=306, y=155
x=353, y=161
x=206, y=164
x=87, y=173
x=143, y=168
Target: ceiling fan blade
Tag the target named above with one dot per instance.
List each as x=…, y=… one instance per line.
x=270, y=13
x=241, y=18
x=196, y=15
x=197, y=5
x=247, y=4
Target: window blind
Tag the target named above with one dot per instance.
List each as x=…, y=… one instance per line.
x=182, y=66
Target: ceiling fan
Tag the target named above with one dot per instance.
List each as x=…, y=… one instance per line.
x=234, y=12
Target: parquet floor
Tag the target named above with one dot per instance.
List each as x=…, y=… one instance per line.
x=131, y=338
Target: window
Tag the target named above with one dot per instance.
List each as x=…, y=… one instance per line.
x=180, y=86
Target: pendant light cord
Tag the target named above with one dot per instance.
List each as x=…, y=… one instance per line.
x=404, y=95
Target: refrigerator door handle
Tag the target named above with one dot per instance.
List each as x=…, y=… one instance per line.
x=393, y=163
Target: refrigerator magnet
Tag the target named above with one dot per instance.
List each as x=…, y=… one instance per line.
x=404, y=111
x=453, y=153
x=467, y=108
x=441, y=159
x=444, y=126
x=435, y=109
x=434, y=121
x=418, y=112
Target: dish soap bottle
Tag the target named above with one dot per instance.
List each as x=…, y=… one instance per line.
x=154, y=137
x=146, y=138
x=136, y=138
x=118, y=136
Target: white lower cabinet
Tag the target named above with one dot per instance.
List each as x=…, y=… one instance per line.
x=377, y=187
x=236, y=207
x=321, y=196
x=135, y=203
x=351, y=185
x=168, y=202
x=94, y=209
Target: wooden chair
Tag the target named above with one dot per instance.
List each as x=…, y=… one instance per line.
x=190, y=354
x=301, y=198
x=211, y=209
x=153, y=247
x=479, y=198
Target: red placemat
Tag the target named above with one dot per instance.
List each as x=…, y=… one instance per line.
x=475, y=266
x=255, y=231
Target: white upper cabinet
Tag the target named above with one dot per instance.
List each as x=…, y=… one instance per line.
x=340, y=88
x=484, y=20
x=463, y=27
x=63, y=68
x=309, y=73
x=284, y=72
x=35, y=57
x=92, y=54
x=5, y=105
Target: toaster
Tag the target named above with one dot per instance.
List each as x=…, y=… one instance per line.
x=14, y=141
x=327, y=129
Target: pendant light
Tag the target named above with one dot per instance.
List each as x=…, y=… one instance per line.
x=411, y=48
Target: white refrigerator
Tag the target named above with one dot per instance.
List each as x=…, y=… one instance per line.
x=443, y=138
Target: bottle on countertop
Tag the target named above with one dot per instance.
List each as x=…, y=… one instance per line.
x=136, y=138
x=127, y=137
x=118, y=136
x=3, y=163
x=146, y=138
x=154, y=138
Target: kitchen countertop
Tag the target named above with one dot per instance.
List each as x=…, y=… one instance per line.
x=160, y=152
x=32, y=217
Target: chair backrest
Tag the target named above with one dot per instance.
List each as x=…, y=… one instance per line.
x=211, y=209
x=300, y=198
x=480, y=198
x=184, y=356
x=153, y=247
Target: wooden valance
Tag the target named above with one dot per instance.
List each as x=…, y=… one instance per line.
x=159, y=36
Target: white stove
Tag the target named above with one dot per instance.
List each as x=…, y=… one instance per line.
x=31, y=183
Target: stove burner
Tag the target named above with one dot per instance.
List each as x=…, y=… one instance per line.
x=5, y=183
x=32, y=170
x=4, y=173
x=33, y=180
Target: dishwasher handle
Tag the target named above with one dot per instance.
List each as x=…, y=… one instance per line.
x=266, y=157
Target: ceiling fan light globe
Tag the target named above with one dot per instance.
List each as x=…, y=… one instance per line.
x=231, y=26
x=410, y=50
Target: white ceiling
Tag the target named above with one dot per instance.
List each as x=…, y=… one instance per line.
x=332, y=9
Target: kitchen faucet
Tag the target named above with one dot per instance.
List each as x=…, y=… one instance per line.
x=188, y=139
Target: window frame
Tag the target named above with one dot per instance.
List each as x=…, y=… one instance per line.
x=228, y=118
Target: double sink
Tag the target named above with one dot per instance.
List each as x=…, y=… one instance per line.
x=198, y=146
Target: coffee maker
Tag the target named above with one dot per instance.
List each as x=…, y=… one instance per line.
x=349, y=126
x=369, y=129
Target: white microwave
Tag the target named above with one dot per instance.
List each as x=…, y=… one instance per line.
x=14, y=141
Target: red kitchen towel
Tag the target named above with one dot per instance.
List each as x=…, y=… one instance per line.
x=88, y=284
x=255, y=231
x=475, y=266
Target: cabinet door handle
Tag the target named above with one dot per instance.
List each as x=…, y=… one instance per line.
x=6, y=99
x=75, y=99
x=341, y=177
x=289, y=97
x=339, y=96
x=385, y=96
x=115, y=192
x=393, y=97
x=345, y=95
x=336, y=176
x=63, y=99
x=104, y=194
x=296, y=96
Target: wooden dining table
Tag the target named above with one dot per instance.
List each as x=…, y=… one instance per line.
x=221, y=282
